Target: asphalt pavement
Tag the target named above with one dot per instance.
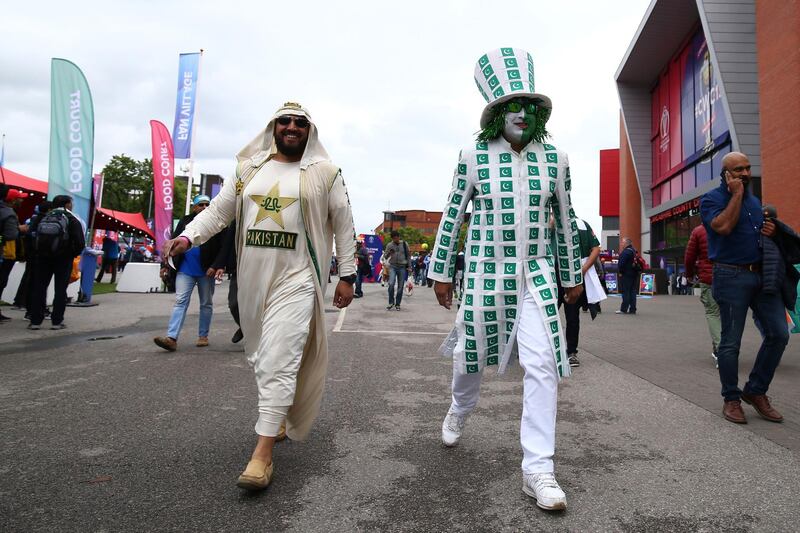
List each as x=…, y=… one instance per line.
x=103, y=431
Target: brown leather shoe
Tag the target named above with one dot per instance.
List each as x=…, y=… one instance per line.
x=168, y=343
x=761, y=404
x=202, y=342
x=732, y=411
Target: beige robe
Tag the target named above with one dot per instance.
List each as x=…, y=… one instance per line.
x=326, y=214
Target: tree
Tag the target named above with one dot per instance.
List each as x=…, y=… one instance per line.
x=127, y=184
x=411, y=235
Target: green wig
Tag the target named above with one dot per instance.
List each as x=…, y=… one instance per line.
x=498, y=121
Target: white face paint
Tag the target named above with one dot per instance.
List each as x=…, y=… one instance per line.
x=515, y=127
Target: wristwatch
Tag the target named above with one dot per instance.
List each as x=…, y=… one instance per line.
x=348, y=279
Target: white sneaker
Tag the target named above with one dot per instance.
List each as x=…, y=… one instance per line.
x=452, y=427
x=544, y=488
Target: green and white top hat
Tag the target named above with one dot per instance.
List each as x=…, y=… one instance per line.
x=504, y=74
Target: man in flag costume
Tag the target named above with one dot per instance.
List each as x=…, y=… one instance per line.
x=289, y=202
x=514, y=180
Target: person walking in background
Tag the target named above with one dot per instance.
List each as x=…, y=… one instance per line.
x=22, y=300
x=363, y=267
x=628, y=277
x=397, y=256
x=10, y=229
x=697, y=262
x=194, y=268
x=590, y=251
x=735, y=227
x=226, y=262
x=110, y=259
x=59, y=240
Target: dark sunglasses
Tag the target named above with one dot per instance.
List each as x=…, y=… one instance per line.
x=516, y=107
x=300, y=122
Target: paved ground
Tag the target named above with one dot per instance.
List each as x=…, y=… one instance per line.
x=113, y=434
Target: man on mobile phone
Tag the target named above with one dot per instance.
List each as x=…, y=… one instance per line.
x=735, y=224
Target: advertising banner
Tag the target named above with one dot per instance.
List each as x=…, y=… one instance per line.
x=163, y=182
x=374, y=247
x=71, y=137
x=188, y=69
x=647, y=283
x=611, y=281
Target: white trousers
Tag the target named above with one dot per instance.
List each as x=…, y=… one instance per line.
x=284, y=332
x=540, y=389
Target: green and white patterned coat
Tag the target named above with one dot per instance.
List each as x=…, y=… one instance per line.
x=507, y=245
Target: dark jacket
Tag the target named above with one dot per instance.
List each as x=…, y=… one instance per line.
x=362, y=258
x=697, y=252
x=226, y=258
x=9, y=223
x=208, y=251
x=77, y=241
x=780, y=254
x=625, y=262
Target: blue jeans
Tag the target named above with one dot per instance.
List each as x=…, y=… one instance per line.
x=359, y=281
x=628, y=286
x=736, y=290
x=397, y=276
x=184, y=284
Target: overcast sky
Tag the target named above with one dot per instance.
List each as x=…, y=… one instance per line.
x=390, y=85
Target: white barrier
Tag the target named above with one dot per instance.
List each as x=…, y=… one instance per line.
x=139, y=277
x=15, y=277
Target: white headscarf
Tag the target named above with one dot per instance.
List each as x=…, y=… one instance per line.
x=263, y=146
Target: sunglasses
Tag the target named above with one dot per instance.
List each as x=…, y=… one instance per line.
x=516, y=107
x=300, y=122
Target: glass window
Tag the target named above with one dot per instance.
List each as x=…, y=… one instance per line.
x=657, y=196
x=665, y=192
x=675, y=184
x=703, y=171
x=688, y=179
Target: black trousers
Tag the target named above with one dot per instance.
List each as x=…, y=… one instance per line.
x=45, y=268
x=572, y=313
x=233, y=298
x=24, y=290
x=105, y=265
x=5, y=271
x=629, y=288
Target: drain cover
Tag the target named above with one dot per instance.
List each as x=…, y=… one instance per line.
x=110, y=337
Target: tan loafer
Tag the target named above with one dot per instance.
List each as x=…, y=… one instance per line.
x=256, y=476
x=202, y=342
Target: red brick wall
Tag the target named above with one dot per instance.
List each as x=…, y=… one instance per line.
x=630, y=201
x=425, y=221
x=778, y=46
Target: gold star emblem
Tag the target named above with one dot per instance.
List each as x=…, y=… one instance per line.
x=271, y=205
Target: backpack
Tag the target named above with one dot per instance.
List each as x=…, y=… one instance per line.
x=638, y=263
x=52, y=234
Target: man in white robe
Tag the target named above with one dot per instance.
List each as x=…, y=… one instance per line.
x=289, y=202
x=514, y=180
